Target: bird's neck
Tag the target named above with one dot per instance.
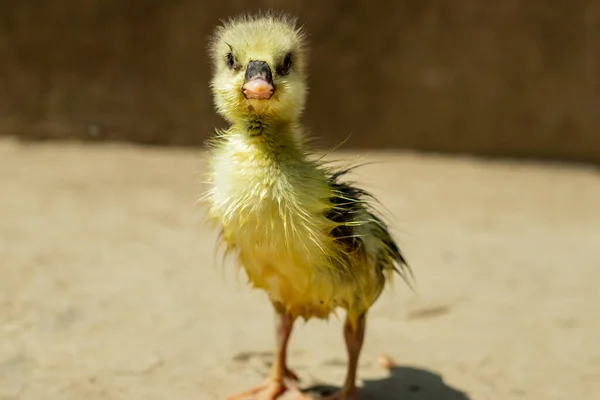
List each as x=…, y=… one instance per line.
x=271, y=137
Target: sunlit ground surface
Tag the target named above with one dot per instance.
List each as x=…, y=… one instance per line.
x=110, y=289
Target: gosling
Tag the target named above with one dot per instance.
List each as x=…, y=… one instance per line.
x=308, y=239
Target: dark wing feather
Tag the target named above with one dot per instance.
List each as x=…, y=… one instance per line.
x=347, y=203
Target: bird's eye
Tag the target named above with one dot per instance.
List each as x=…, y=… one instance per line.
x=284, y=68
x=230, y=60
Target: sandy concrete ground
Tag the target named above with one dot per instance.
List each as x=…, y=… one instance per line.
x=109, y=287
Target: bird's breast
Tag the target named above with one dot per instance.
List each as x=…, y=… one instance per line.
x=273, y=218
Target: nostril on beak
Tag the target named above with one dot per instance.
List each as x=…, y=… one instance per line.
x=259, y=69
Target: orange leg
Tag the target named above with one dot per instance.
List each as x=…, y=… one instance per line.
x=279, y=380
x=354, y=335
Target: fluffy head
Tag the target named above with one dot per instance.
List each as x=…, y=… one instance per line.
x=253, y=55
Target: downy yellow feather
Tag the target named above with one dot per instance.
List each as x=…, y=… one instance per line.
x=272, y=200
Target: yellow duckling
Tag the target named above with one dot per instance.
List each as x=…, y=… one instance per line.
x=312, y=242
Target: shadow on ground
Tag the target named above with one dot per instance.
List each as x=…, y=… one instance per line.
x=406, y=383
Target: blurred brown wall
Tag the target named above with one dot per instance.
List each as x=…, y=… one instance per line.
x=510, y=78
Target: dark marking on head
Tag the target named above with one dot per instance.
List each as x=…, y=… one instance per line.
x=230, y=59
x=284, y=68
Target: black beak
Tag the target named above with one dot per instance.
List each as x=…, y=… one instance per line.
x=258, y=83
x=259, y=69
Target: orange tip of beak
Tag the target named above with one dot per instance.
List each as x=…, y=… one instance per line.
x=258, y=89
